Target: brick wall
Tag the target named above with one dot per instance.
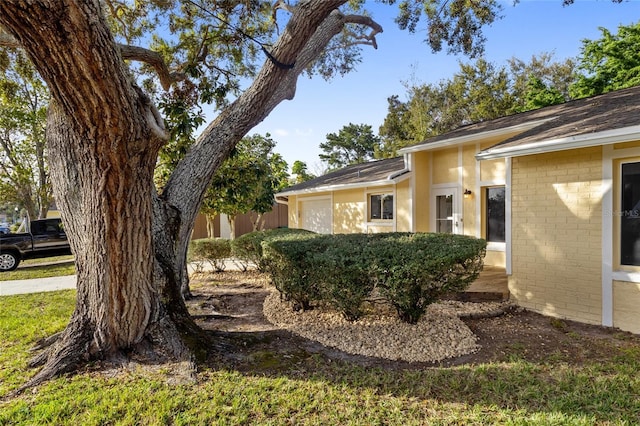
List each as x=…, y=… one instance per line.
x=556, y=234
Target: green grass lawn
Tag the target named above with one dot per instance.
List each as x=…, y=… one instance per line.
x=312, y=391
x=41, y=268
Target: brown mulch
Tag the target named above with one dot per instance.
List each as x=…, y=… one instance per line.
x=229, y=304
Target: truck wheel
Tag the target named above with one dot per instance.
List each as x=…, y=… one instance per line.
x=8, y=262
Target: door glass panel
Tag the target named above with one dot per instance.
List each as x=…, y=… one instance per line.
x=444, y=213
x=495, y=214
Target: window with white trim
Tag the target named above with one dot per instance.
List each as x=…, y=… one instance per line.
x=495, y=214
x=630, y=215
x=380, y=207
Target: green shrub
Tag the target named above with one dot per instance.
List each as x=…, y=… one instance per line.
x=287, y=259
x=209, y=250
x=341, y=275
x=247, y=248
x=410, y=270
x=414, y=270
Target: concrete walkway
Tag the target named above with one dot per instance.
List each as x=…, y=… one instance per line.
x=39, y=285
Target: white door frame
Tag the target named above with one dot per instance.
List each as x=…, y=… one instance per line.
x=456, y=216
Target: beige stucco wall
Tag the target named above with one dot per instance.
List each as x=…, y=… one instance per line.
x=292, y=212
x=421, y=170
x=403, y=206
x=469, y=179
x=445, y=166
x=495, y=258
x=626, y=302
x=492, y=170
x=349, y=211
x=556, y=233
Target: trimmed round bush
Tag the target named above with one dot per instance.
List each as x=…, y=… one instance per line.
x=410, y=270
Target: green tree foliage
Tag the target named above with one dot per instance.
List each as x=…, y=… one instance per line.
x=555, y=76
x=24, y=178
x=354, y=144
x=609, y=63
x=478, y=91
x=247, y=181
x=182, y=118
x=396, y=130
x=538, y=95
x=299, y=169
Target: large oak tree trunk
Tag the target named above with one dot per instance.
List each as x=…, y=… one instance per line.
x=103, y=137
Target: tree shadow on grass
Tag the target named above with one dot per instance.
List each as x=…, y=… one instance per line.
x=603, y=391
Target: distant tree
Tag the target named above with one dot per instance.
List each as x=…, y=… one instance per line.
x=396, y=130
x=247, y=181
x=299, y=169
x=478, y=91
x=24, y=98
x=609, y=63
x=538, y=95
x=541, y=71
x=354, y=144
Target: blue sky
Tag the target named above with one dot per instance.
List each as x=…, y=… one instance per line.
x=529, y=28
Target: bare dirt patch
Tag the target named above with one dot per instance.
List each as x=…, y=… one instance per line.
x=230, y=305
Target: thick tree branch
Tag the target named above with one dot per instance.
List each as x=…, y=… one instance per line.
x=368, y=39
x=135, y=53
x=309, y=31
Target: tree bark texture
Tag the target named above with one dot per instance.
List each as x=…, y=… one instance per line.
x=103, y=138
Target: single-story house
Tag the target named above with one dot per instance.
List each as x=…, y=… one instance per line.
x=555, y=192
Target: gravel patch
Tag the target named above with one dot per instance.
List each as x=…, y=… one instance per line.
x=440, y=333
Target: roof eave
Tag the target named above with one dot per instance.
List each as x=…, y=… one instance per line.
x=394, y=178
x=607, y=137
x=474, y=137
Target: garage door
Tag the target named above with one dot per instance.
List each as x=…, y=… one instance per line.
x=316, y=215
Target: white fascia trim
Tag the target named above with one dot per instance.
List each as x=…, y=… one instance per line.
x=607, y=137
x=475, y=137
x=394, y=178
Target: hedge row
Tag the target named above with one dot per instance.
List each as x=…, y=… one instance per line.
x=246, y=249
x=210, y=250
x=409, y=270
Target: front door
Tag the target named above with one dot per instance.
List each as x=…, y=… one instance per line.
x=445, y=212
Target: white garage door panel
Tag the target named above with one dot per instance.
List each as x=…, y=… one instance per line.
x=316, y=215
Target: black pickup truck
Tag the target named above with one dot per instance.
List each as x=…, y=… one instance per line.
x=46, y=237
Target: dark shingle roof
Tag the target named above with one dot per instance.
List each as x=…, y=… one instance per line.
x=374, y=171
x=610, y=111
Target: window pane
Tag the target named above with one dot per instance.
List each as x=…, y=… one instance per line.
x=375, y=207
x=387, y=206
x=495, y=214
x=630, y=215
x=381, y=206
